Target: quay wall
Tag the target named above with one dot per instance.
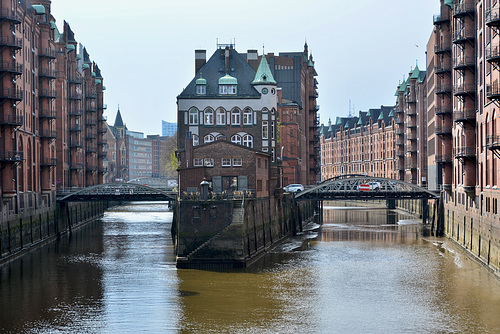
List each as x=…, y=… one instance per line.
x=219, y=234
x=32, y=219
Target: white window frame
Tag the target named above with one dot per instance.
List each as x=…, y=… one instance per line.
x=236, y=139
x=208, y=162
x=235, y=117
x=265, y=130
x=247, y=116
x=209, y=117
x=221, y=117
x=237, y=162
x=208, y=139
x=247, y=141
x=193, y=116
x=196, y=140
x=226, y=162
x=201, y=89
x=197, y=162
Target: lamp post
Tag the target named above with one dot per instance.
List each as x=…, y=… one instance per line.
x=281, y=169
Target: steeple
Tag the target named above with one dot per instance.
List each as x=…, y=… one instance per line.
x=263, y=75
x=118, y=119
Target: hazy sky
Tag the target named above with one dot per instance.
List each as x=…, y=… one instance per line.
x=145, y=49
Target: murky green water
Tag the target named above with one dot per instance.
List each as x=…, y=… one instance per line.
x=361, y=272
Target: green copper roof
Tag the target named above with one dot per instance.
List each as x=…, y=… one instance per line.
x=330, y=129
x=449, y=3
x=360, y=122
x=346, y=125
x=97, y=82
x=263, y=75
x=391, y=114
x=93, y=74
x=85, y=66
x=322, y=130
x=338, y=121
x=70, y=47
x=381, y=116
x=228, y=80
x=201, y=81
x=416, y=73
x=368, y=114
x=53, y=25
x=310, y=63
x=78, y=57
x=402, y=87
x=40, y=9
x=103, y=87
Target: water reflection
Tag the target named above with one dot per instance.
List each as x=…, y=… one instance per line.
x=363, y=270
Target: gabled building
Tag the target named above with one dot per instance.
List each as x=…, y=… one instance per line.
x=228, y=101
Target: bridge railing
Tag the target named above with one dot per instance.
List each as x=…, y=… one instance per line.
x=225, y=195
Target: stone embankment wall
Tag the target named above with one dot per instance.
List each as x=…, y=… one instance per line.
x=234, y=233
x=35, y=223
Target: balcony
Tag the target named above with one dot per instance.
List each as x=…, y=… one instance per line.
x=91, y=169
x=91, y=135
x=76, y=166
x=47, y=93
x=11, y=119
x=464, y=152
x=76, y=112
x=102, y=130
x=11, y=41
x=442, y=69
x=399, y=132
x=493, y=91
x=440, y=48
x=47, y=73
x=443, y=131
x=48, y=162
x=412, y=111
x=464, y=89
x=75, y=81
x=412, y=135
x=460, y=63
x=47, y=53
x=438, y=19
x=48, y=113
x=463, y=115
x=11, y=94
x=75, y=128
x=443, y=88
x=493, y=53
x=48, y=134
x=442, y=111
x=75, y=144
x=11, y=67
x=400, y=141
x=492, y=18
x=103, y=170
x=74, y=96
x=463, y=35
x=9, y=15
x=12, y=156
x=411, y=147
x=463, y=8
x=443, y=159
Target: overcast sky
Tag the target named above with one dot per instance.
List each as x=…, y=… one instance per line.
x=145, y=49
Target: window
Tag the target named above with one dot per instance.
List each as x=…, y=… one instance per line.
x=226, y=162
x=221, y=117
x=236, y=139
x=248, y=141
x=265, y=130
x=247, y=116
x=197, y=162
x=196, y=140
x=209, y=162
x=201, y=89
x=208, y=138
x=227, y=89
x=209, y=117
x=235, y=117
x=193, y=117
x=237, y=162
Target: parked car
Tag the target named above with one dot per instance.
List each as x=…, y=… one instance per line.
x=294, y=188
x=375, y=185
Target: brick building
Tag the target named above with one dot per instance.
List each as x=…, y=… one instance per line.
x=228, y=100
x=51, y=104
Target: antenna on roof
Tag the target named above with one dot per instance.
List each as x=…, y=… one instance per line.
x=263, y=50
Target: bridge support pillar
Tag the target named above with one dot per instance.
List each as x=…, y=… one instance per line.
x=391, y=203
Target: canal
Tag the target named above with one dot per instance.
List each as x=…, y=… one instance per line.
x=365, y=270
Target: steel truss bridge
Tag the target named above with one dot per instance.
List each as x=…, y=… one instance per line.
x=359, y=187
x=117, y=192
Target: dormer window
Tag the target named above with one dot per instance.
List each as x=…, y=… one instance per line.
x=201, y=86
x=228, y=85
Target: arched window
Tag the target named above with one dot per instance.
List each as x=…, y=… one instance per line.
x=221, y=116
x=247, y=116
x=193, y=116
x=196, y=140
x=209, y=117
x=248, y=141
x=236, y=139
x=208, y=138
x=235, y=117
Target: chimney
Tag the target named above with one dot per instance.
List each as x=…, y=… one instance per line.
x=200, y=58
x=253, y=59
x=226, y=56
x=278, y=94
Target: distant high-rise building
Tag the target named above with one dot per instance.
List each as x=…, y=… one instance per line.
x=168, y=129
